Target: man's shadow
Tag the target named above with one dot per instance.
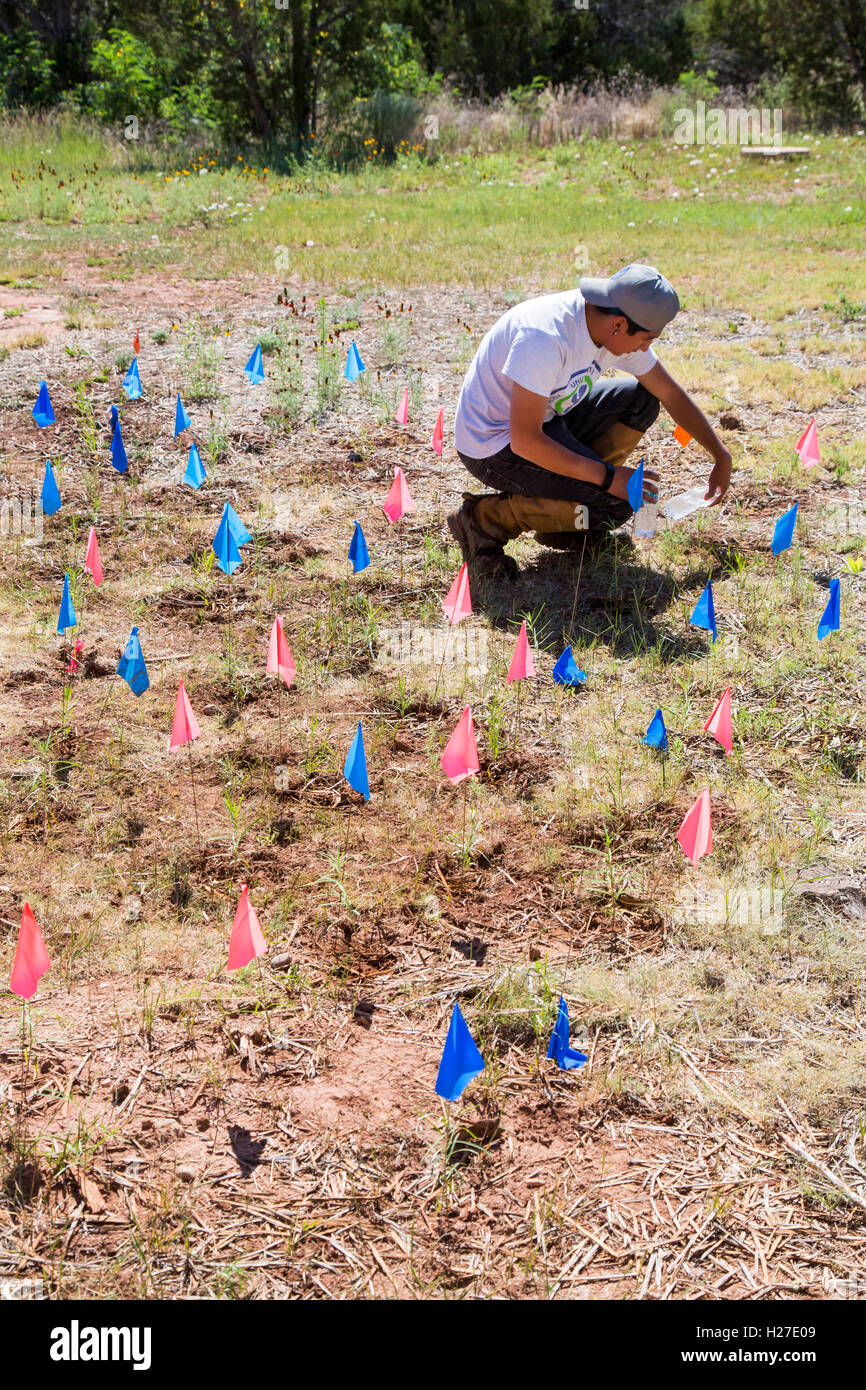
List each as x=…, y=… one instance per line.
x=613, y=597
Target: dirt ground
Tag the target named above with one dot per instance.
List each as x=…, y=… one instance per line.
x=179, y=1132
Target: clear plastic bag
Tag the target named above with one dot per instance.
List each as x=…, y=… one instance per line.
x=685, y=503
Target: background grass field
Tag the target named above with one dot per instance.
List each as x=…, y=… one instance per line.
x=177, y=1131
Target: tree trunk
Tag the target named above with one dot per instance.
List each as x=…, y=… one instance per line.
x=303, y=34
x=851, y=18
x=246, y=55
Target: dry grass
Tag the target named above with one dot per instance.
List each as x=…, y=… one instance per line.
x=177, y=1131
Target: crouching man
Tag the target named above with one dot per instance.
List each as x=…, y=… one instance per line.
x=535, y=424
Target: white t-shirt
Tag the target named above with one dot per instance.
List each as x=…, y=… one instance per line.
x=543, y=345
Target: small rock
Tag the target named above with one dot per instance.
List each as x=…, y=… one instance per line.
x=836, y=890
x=281, y=961
x=168, y=1131
x=210, y=709
x=484, y=1130
x=432, y=907
x=187, y=1173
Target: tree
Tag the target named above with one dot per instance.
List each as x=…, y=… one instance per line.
x=819, y=50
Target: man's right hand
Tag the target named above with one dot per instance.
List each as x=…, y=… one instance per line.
x=621, y=476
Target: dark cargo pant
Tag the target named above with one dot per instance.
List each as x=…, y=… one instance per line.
x=620, y=399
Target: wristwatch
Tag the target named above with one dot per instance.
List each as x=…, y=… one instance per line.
x=609, y=472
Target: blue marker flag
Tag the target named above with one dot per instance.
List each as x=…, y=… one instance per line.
x=566, y=671
x=115, y=416
x=67, y=616
x=51, y=499
x=181, y=419
x=461, y=1060
x=358, y=552
x=195, y=474
x=656, y=735
x=355, y=770
x=225, y=547
x=566, y=1058
x=132, y=381
x=118, y=452
x=705, y=614
x=784, y=532
x=131, y=667
x=354, y=365
x=634, y=488
x=830, y=618
x=255, y=368
x=43, y=411
x=236, y=526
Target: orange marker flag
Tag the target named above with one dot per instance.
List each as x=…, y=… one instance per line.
x=719, y=722
x=136, y=346
x=522, y=664
x=458, y=602
x=695, y=835
x=399, y=499
x=92, y=559
x=185, y=725
x=807, y=446
x=247, y=941
x=280, y=659
x=436, y=441
x=402, y=416
x=31, y=957
x=682, y=436
x=460, y=759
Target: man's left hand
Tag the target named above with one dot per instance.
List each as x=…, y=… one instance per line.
x=720, y=478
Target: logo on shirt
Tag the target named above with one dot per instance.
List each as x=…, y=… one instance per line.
x=579, y=385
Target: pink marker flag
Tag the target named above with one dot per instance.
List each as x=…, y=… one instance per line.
x=807, y=446
x=460, y=758
x=695, y=835
x=402, y=416
x=438, y=433
x=458, y=602
x=92, y=560
x=399, y=499
x=280, y=659
x=247, y=940
x=184, y=726
x=522, y=664
x=719, y=722
x=31, y=957
x=74, y=663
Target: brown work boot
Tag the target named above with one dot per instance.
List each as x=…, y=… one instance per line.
x=484, y=554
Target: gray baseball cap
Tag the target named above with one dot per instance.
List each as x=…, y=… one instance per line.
x=640, y=291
